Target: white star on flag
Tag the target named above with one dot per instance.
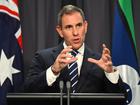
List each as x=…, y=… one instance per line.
x=6, y=69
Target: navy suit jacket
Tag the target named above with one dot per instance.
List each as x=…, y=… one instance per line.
x=92, y=78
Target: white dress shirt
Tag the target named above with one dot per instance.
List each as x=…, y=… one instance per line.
x=51, y=78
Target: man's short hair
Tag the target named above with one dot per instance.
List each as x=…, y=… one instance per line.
x=69, y=9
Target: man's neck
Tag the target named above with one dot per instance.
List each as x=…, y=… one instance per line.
x=80, y=50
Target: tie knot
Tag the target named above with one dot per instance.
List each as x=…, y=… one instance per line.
x=74, y=52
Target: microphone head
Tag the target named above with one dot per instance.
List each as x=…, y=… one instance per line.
x=68, y=84
x=61, y=84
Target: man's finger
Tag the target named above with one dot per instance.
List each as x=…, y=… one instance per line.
x=105, y=50
x=104, y=46
x=92, y=60
x=67, y=50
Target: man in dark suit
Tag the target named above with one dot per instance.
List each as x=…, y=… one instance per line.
x=92, y=73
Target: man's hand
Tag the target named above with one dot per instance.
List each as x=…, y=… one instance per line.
x=62, y=60
x=105, y=61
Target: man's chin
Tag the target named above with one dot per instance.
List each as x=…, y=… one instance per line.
x=76, y=46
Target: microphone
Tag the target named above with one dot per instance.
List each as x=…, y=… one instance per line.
x=61, y=85
x=68, y=92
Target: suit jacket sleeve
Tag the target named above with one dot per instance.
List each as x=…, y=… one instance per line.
x=35, y=80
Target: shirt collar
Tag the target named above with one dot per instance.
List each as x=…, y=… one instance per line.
x=80, y=50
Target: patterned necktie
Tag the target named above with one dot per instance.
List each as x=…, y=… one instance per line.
x=73, y=72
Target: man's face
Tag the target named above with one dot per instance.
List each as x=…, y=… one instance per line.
x=73, y=29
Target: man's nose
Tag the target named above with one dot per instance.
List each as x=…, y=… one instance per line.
x=75, y=31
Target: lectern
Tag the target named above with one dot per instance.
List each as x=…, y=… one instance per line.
x=76, y=99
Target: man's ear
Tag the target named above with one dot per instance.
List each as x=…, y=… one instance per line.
x=86, y=26
x=59, y=30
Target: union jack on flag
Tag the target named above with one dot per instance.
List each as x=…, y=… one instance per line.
x=11, y=62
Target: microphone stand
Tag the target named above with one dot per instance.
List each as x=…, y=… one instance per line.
x=68, y=92
x=61, y=85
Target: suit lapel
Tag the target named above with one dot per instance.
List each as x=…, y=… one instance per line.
x=57, y=50
x=84, y=69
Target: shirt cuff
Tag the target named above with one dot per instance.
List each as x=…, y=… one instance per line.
x=113, y=77
x=50, y=77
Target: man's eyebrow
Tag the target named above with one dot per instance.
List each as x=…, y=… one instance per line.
x=69, y=25
x=80, y=23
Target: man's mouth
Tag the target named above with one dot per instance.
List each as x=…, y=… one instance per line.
x=76, y=40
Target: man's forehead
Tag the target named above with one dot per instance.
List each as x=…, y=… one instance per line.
x=70, y=17
x=71, y=21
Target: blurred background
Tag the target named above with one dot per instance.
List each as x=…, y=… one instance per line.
x=113, y=22
x=39, y=18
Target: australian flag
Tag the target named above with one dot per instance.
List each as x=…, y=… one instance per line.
x=11, y=62
x=124, y=50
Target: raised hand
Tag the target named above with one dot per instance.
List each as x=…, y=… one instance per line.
x=105, y=61
x=63, y=59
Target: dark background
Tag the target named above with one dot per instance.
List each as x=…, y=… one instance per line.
x=39, y=18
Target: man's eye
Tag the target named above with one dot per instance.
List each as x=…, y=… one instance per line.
x=68, y=27
x=79, y=25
